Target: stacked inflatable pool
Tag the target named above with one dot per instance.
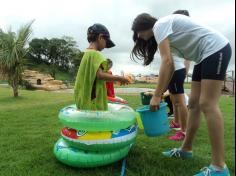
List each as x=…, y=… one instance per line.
x=95, y=138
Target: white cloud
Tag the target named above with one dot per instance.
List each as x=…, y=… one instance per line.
x=55, y=18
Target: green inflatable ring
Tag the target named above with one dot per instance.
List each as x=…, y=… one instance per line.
x=79, y=158
x=116, y=118
x=119, y=140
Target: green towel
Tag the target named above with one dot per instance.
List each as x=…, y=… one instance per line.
x=90, y=93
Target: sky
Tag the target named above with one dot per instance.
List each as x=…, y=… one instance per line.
x=57, y=18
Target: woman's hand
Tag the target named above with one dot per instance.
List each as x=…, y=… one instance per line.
x=155, y=103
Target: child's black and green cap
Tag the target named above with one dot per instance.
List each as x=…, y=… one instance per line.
x=97, y=29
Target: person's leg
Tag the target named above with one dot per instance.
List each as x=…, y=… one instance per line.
x=173, y=89
x=175, y=109
x=181, y=109
x=181, y=112
x=193, y=120
x=209, y=99
x=213, y=73
x=169, y=104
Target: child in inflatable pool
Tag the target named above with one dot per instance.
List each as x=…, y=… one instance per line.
x=90, y=88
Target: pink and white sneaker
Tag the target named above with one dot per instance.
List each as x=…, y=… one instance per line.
x=174, y=125
x=179, y=136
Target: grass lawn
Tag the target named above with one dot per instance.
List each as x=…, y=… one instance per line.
x=147, y=85
x=30, y=127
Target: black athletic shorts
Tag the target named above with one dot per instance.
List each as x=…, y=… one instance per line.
x=213, y=67
x=176, y=85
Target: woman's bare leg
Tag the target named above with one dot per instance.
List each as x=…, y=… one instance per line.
x=193, y=120
x=209, y=104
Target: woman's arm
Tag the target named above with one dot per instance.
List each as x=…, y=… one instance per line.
x=165, y=73
x=108, y=77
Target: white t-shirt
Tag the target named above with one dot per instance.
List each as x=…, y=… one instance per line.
x=188, y=39
x=178, y=62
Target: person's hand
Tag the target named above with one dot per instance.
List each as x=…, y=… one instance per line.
x=155, y=103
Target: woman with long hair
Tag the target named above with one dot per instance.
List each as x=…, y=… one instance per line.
x=182, y=36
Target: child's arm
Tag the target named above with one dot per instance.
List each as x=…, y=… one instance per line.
x=108, y=77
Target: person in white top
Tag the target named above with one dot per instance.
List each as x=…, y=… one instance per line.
x=182, y=36
x=176, y=89
x=177, y=95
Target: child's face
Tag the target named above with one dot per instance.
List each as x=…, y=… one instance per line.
x=101, y=42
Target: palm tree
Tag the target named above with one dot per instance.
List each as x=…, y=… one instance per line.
x=12, y=54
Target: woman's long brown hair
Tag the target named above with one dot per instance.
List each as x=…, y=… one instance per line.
x=143, y=50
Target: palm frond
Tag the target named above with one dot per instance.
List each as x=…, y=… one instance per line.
x=23, y=34
x=13, y=51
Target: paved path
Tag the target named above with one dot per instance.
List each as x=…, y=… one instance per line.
x=137, y=90
x=117, y=90
x=122, y=90
x=4, y=85
x=129, y=91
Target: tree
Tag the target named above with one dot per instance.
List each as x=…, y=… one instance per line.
x=38, y=50
x=61, y=53
x=12, y=54
x=76, y=63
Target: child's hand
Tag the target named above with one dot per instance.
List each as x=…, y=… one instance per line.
x=124, y=81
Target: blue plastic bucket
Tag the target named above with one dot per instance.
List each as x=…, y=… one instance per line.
x=154, y=123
